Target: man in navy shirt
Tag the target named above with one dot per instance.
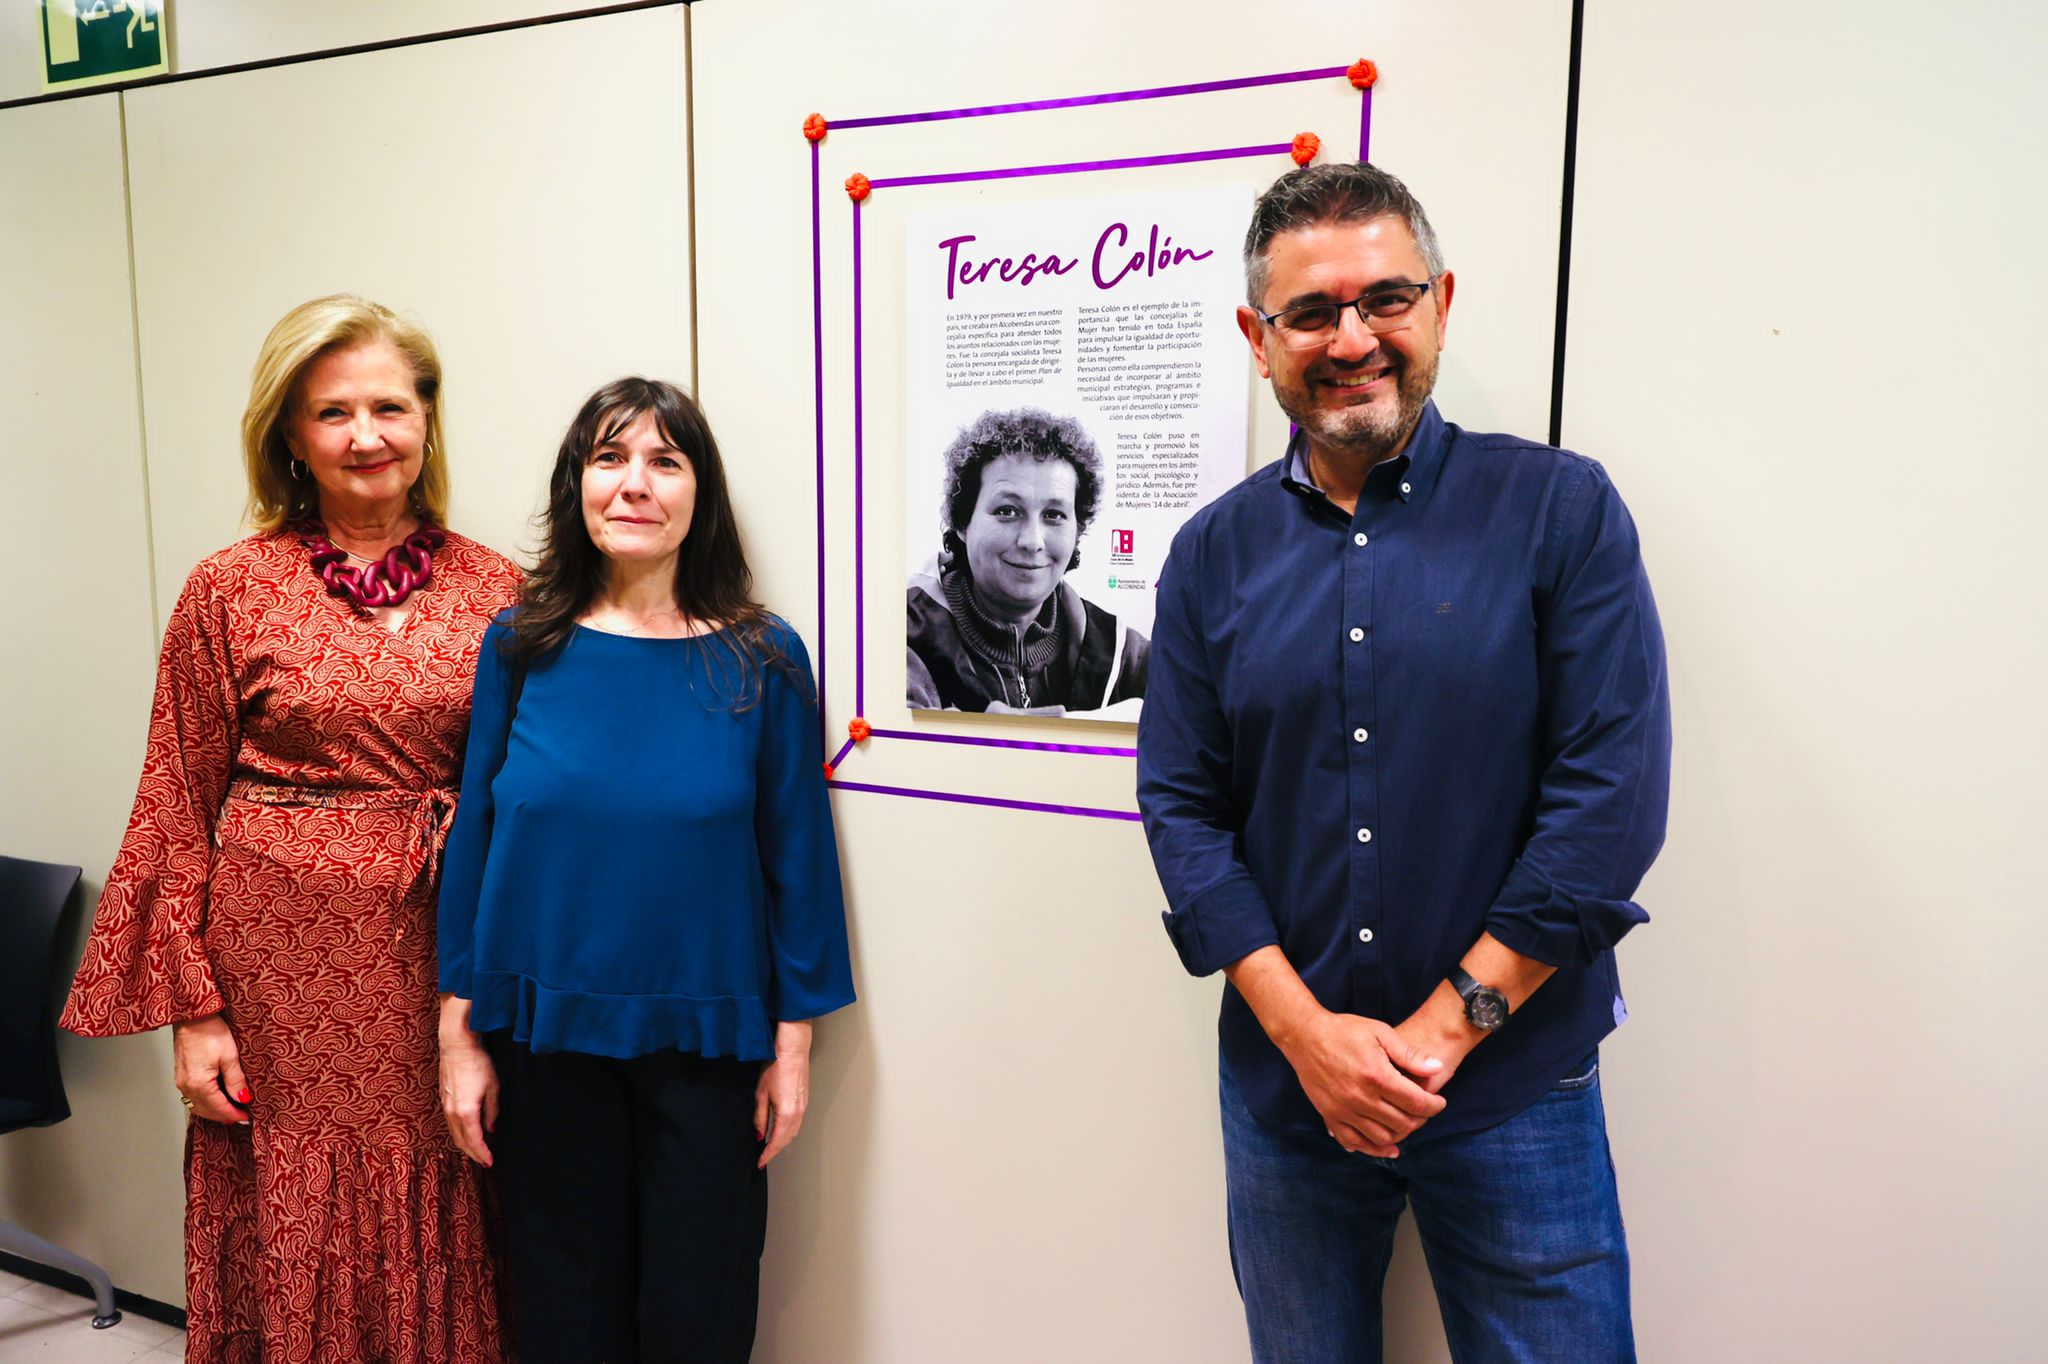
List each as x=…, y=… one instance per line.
x=1403, y=762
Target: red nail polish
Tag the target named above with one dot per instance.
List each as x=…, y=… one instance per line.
x=242, y=1097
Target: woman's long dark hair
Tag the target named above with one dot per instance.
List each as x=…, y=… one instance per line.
x=713, y=583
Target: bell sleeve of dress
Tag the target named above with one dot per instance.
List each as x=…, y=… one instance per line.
x=812, y=968
x=469, y=842
x=145, y=963
x=1215, y=912
x=1600, y=808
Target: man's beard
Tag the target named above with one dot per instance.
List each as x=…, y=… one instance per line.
x=1370, y=430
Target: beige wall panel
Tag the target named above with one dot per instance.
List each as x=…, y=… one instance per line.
x=21, y=51
x=1015, y=1155
x=207, y=34
x=212, y=34
x=524, y=195
x=78, y=659
x=1805, y=338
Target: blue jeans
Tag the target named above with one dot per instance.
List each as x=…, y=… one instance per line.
x=1520, y=1224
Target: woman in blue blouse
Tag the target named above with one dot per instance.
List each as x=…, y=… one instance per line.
x=641, y=910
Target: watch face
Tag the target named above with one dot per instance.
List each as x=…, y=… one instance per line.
x=1486, y=1008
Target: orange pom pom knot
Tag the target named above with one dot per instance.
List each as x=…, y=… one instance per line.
x=1306, y=145
x=815, y=126
x=1363, y=74
x=828, y=771
x=857, y=187
x=859, y=729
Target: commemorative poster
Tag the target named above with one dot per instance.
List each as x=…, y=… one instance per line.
x=1076, y=389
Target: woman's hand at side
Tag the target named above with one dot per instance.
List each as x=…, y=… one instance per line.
x=207, y=1068
x=784, y=1091
x=469, y=1082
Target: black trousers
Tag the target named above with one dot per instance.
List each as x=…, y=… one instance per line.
x=634, y=1213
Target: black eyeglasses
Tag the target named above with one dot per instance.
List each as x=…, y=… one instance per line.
x=1314, y=324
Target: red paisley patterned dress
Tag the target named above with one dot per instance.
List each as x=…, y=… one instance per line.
x=280, y=868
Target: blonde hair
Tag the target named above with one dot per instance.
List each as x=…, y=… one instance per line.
x=300, y=337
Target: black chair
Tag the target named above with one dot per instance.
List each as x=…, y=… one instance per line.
x=33, y=896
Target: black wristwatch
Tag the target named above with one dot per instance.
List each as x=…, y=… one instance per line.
x=1485, y=1007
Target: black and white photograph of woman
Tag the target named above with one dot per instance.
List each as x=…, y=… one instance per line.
x=992, y=624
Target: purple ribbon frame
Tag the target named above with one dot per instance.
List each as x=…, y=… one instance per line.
x=859, y=388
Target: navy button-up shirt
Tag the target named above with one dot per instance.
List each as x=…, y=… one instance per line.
x=1369, y=738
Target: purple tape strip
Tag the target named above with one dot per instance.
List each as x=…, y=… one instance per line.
x=1114, y=97
x=860, y=519
x=1005, y=743
x=1070, y=167
x=999, y=801
x=818, y=389
x=818, y=405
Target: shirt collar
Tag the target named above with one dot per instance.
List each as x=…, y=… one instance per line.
x=1409, y=475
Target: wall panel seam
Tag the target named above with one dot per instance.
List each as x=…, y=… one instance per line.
x=690, y=185
x=135, y=351
x=1564, y=221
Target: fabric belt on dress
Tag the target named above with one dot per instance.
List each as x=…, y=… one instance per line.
x=432, y=809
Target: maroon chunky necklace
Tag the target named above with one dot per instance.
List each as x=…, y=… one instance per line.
x=406, y=567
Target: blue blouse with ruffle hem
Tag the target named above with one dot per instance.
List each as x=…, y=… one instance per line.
x=637, y=863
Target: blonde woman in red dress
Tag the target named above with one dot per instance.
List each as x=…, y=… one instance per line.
x=273, y=900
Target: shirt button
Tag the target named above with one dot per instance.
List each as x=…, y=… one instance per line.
x=1356, y=634
x=1359, y=736
x=1365, y=935
x=1365, y=835
x=1405, y=489
x=1359, y=539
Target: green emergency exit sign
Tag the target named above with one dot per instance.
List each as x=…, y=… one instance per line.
x=92, y=42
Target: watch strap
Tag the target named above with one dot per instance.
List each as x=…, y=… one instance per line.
x=1486, y=1008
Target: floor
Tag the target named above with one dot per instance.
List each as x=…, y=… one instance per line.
x=54, y=1326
